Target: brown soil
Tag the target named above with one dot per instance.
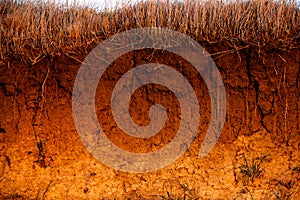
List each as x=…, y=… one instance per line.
x=257, y=156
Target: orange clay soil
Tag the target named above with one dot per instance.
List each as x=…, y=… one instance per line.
x=257, y=156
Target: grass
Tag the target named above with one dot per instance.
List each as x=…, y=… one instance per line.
x=34, y=30
x=187, y=193
x=287, y=188
x=250, y=170
x=185, y=189
x=282, y=194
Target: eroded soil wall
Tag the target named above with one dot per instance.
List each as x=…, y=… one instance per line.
x=256, y=156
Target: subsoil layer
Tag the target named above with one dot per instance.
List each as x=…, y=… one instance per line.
x=256, y=157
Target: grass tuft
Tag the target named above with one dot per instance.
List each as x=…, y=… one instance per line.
x=250, y=170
